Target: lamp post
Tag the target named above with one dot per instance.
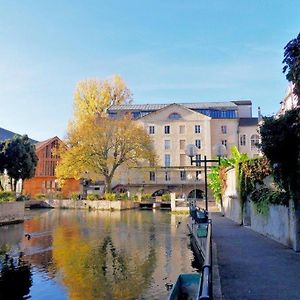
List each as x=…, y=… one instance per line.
x=192, y=150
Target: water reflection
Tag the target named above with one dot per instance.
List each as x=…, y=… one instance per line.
x=15, y=277
x=102, y=255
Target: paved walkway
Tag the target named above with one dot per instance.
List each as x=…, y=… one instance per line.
x=252, y=266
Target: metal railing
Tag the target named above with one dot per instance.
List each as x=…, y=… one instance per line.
x=206, y=281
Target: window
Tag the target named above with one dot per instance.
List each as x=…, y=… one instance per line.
x=182, y=144
x=198, y=144
x=167, y=144
x=167, y=129
x=224, y=129
x=197, y=128
x=198, y=175
x=151, y=129
x=167, y=176
x=167, y=160
x=152, y=176
x=198, y=157
x=181, y=129
x=182, y=175
x=174, y=116
x=224, y=142
x=182, y=159
x=243, y=140
x=254, y=141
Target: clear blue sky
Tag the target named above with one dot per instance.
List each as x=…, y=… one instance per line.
x=167, y=51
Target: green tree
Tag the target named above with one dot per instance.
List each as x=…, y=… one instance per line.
x=280, y=142
x=2, y=163
x=292, y=64
x=20, y=158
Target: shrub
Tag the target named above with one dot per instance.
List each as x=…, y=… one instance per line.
x=123, y=196
x=59, y=196
x=166, y=197
x=23, y=198
x=92, y=197
x=75, y=196
x=146, y=197
x=110, y=196
x=135, y=198
x=6, y=196
x=40, y=196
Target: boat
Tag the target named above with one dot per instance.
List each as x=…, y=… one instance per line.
x=186, y=287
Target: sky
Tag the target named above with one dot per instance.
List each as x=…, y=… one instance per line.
x=166, y=51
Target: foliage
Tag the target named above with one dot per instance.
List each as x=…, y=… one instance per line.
x=93, y=96
x=96, y=145
x=123, y=196
x=292, y=64
x=6, y=196
x=135, y=198
x=110, y=196
x=93, y=197
x=166, y=197
x=217, y=176
x=75, y=196
x=40, y=196
x=252, y=173
x=280, y=142
x=59, y=196
x=20, y=159
x=23, y=198
x=146, y=197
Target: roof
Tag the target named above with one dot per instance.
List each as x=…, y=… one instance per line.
x=248, y=121
x=7, y=134
x=46, y=142
x=154, y=107
x=243, y=102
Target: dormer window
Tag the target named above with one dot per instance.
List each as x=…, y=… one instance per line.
x=174, y=116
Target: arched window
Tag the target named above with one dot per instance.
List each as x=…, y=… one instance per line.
x=174, y=116
x=254, y=141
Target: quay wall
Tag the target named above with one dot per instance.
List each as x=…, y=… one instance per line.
x=11, y=212
x=87, y=204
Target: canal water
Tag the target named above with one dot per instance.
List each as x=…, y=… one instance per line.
x=77, y=254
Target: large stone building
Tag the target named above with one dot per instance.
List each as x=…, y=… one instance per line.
x=174, y=126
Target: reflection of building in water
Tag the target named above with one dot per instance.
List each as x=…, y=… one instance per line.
x=112, y=255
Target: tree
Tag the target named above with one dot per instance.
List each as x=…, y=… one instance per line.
x=280, y=142
x=20, y=158
x=2, y=163
x=292, y=64
x=93, y=96
x=97, y=145
x=100, y=147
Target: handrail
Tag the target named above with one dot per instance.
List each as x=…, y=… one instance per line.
x=206, y=281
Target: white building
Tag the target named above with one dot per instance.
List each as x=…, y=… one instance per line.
x=173, y=126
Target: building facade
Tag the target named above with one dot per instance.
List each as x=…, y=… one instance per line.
x=173, y=126
x=44, y=180
x=289, y=101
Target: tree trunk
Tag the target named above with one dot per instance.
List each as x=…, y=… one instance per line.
x=108, y=184
x=1, y=186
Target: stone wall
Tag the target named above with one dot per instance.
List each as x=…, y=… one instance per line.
x=87, y=204
x=231, y=204
x=280, y=223
x=11, y=212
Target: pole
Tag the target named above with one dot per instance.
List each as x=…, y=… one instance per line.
x=205, y=183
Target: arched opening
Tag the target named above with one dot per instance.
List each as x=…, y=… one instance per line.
x=195, y=194
x=160, y=192
x=120, y=189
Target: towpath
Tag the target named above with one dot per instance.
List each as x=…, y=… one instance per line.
x=252, y=266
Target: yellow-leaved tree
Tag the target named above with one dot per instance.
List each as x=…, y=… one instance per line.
x=97, y=145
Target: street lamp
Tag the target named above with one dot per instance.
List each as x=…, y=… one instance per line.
x=192, y=150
